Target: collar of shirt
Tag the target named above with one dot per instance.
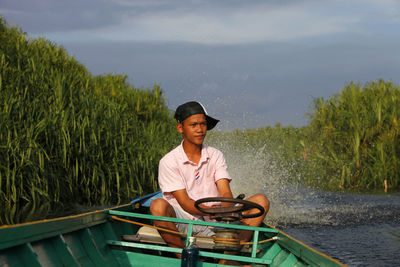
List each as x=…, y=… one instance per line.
x=185, y=160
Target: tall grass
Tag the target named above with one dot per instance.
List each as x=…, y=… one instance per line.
x=353, y=137
x=69, y=137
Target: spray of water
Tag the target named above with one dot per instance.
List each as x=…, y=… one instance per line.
x=254, y=170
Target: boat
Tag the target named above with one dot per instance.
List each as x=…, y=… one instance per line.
x=125, y=236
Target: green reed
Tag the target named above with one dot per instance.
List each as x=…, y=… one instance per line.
x=352, y=140
x=68, y=137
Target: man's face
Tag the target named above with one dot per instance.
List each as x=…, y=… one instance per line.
x=194, y=129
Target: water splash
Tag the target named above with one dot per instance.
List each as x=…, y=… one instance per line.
x=254, y=170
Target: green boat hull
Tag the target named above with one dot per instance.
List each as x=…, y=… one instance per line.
x=96, y=239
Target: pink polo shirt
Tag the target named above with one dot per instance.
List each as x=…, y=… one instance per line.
x=177, y=172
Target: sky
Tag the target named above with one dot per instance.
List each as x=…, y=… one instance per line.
x=251, y=63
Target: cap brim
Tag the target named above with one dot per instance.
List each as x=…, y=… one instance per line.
x=211, y=122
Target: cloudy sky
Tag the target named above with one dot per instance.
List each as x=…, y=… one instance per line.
x=251, y=63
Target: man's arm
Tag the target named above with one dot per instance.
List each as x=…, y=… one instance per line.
x=224, y=190
x=187, y=203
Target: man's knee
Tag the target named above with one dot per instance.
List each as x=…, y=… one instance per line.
x=262, y=200
x=157, y=206
x=161, y=207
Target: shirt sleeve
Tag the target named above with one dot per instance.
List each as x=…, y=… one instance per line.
x=221, y=168
x=169, y=177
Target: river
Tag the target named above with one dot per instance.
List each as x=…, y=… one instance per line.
x=356, y=229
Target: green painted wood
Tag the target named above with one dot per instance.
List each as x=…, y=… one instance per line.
x=255, y=244
x=28, y=255
x=48, y=255
x=224, y=225
x=14, y=257
x=9, y=257
x=99, y=237
x=279, y=258
x=63, y=252
x=137, y=259
x=234, y=257
x=144, y=246
x=129, y=258
x=117, y=228
x=108, y=231
x=300, y=264
x=91, y=248
x=26, y=233
x=272, y=252
x=307, y=254
x=179, y=250
x=290, y=261
x=126, y=228
x=73, y=240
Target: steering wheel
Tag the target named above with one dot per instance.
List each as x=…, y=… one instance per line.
x=231, y=213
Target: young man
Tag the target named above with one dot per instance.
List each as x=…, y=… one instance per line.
x=193, y=171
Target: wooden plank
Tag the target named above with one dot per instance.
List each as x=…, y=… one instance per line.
x=74, y=242
x=64, y=252
x=306, y=253
x=108, y=231
x=14, y=235
x=272, y=251
x=282, y=255
x=91, y=248
x=130, y=258
x=28, y=255
x=144, y=246
x=255, y=244
x=30, y=232
x=291, y=260
x=100, y=237
x=234, y=257
x=19, y=256
x=179, y=250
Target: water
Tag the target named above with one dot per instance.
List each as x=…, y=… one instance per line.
x=357, y=245
x=356, y=229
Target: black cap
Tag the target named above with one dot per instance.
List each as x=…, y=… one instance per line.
x=191, y=108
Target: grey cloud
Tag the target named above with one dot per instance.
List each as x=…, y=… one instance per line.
x=281, y=79
x=43, y=16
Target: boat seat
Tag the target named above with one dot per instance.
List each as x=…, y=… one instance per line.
x=150, y=235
